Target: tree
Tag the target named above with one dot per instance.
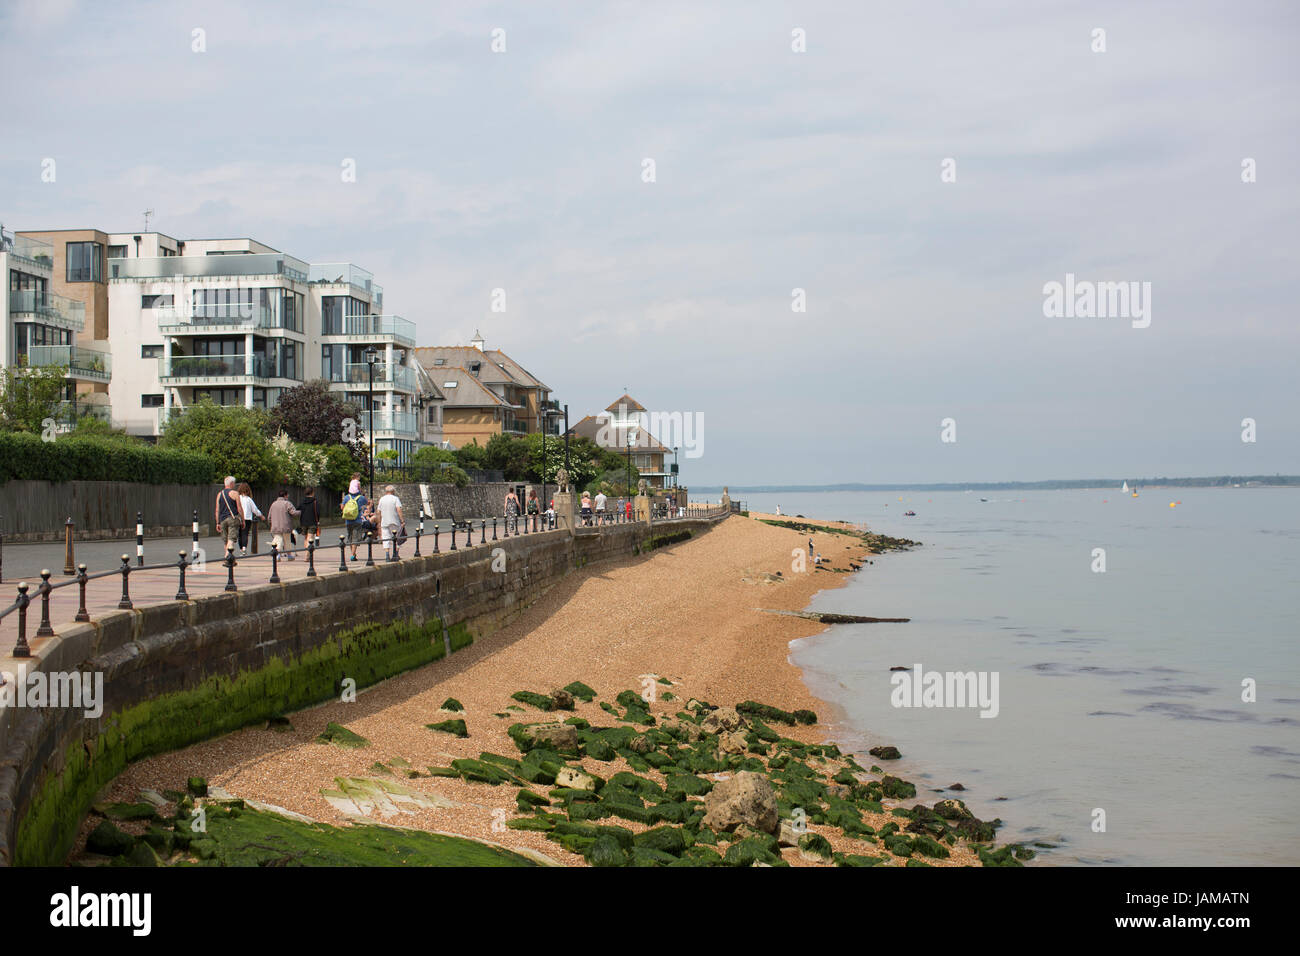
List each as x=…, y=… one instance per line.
x=232, y=436
x=31, y=395
x=472, y=455
x=313, y=414
x=509, y=455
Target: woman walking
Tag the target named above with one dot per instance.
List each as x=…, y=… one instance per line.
x=251, y=515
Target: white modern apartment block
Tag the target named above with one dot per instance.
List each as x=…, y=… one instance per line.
x=40, y=328
x=237, y=321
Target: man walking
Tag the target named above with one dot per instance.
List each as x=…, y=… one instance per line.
x=281, y=515
x=229, y=514
x=390, y=519
x=600, y=507
x=354, y=510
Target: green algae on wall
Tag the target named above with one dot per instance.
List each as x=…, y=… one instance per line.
x=366, y=654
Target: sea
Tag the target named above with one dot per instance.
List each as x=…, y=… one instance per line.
x=1145, y=650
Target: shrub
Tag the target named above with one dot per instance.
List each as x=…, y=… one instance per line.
x=76, y=458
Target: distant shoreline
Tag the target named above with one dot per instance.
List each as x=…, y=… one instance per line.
x=1223, y=481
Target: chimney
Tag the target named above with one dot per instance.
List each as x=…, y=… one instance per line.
x=477, y=340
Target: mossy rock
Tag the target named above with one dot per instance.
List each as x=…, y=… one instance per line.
x=339, y=736
x=599, y=749
x=699, y=856
x=455, y=727
x=629, y=698
x=624, y=796
x=1002, y=856
x=671, y=812
x=751, y=850
x=642, y=786
x=686, y=784
x=443, y=772
x=896, y=788
x=608, y=707
x=482, y=772
x=606, y=851
x=160, y=839
x=857, y=859
x=542, y=824
x=580, y=690
x=508, y=763
x=198, y=787
x=915, y=862
x=570, y=794
x=588, y=811
x=898, y=844
x=665, y=839
x=816, y=845
x=452, y=704
x=928, y=846
x=580, y=722
x=142, y=854
x=648, y=856
x=128, y=811
x=667, y=696
x=706, y=836
x=540, y=701
x=629, y=812
x=526, y=800
x=752, y=708
x=762, y=731
x=107, y=840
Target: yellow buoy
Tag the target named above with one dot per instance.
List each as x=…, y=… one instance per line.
x=1172, y=504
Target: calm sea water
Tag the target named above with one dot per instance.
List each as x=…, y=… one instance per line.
x=1119, y=691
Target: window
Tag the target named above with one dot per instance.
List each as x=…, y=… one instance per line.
x=433, y=414
x=117, y=252
x=151, y=401
x=450, y=384
x=439, y=361
x=151, y=351
x=85, y=262
x=156, y=301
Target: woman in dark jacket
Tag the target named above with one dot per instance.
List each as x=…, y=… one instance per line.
x=310, y=517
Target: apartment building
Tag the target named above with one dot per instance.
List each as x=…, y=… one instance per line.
x=621, y=427
x=238, y=321
x=486, y=392
x=43, y=327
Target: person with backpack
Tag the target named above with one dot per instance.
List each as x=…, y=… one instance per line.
x=354, y=509
x=309, y=508
x=229, y=513
x=534, y=510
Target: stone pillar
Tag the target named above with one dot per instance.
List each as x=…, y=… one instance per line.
x=566, y=513
x=726, y=499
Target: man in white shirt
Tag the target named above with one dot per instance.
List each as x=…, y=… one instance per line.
x=600, y=507
x=390, y=518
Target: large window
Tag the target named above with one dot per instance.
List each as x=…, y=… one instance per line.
x=117, y=252
x=151, y=351
x=151, y=401
x=85, y=262
x=341, y=315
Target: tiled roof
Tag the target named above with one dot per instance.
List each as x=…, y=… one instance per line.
x=615, y=436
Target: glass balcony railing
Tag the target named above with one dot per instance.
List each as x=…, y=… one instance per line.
x=252, y=264
x=386, y=376
x=372, y=327
x=33, y=250
x=69, y=413
x=80, y=363
x=342, y=272
x=377, y=297
x=391, y=420
x=213, y=366
x=48, y=308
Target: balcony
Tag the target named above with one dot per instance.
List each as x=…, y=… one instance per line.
x=359, y=329
x=69, y=413
x=356, y=377
x=40, y=254
x=218, y=319
x=214, y=369
x=343, y=273
x=48, y=308
x=82, y=364
x=187, y=267
x=392, y=423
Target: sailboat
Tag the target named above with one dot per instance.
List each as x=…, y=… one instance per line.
x=1124, y=490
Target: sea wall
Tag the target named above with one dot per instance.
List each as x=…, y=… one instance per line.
x=184, y=671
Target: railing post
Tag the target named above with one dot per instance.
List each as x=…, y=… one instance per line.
x=125, y=604
x=453, y=537
x=482, y=531
x=419, y=530
x=45, y=630
x=469, y=534
x=181, y=593
x=2, y=547
x=311, y=558
x=82, y=613
x=230, y=568
x=195, y=548
x=435, y=537
x=21, y=649
x=275, y=565
x=139, y=539
x=370, y=549
x=494, y=528
x=69, y=566
x=343, y=554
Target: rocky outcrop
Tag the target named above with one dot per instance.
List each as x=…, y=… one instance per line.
x=747, y=798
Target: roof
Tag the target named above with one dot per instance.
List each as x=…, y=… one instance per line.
x=627, y=400
x=614, y=437
x=520, y=374
x=468, y=392
x=463, y=356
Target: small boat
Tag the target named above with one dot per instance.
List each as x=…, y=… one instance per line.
x=1125, y=488
x=909, y=514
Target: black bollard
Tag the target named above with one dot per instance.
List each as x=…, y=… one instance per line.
x=343, y=553
x=45, y=630
x=230, y=569
x=311, y=558
x=181, y=593
x=195, y=549
x=275, y=565
x=419, y=530
x=139, y=539
x=494, y=529
x=82, y=613
x=370, y=549
x=435, y=537
x=469, y=534
x=125, y=604
x=483, y=531
x=453, y=537
x=21, y=649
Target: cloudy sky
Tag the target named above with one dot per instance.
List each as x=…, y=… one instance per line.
x=774, y=170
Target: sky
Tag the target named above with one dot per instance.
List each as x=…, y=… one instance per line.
x=921, y=171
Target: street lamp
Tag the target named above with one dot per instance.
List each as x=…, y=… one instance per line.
x=674, y=466
x=371, y=353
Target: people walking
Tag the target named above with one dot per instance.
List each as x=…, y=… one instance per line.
x=600, y=507
x=353, y=508
x=586, y=507
x=512, y=511
x=390, y=519
x=309, y=508
x=229, y=513
x=281, y=515
x=534, y=509
x=251, y=513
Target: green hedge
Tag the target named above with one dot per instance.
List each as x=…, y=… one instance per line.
x=25, y=457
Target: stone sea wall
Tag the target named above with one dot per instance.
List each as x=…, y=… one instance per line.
x=180, y=672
